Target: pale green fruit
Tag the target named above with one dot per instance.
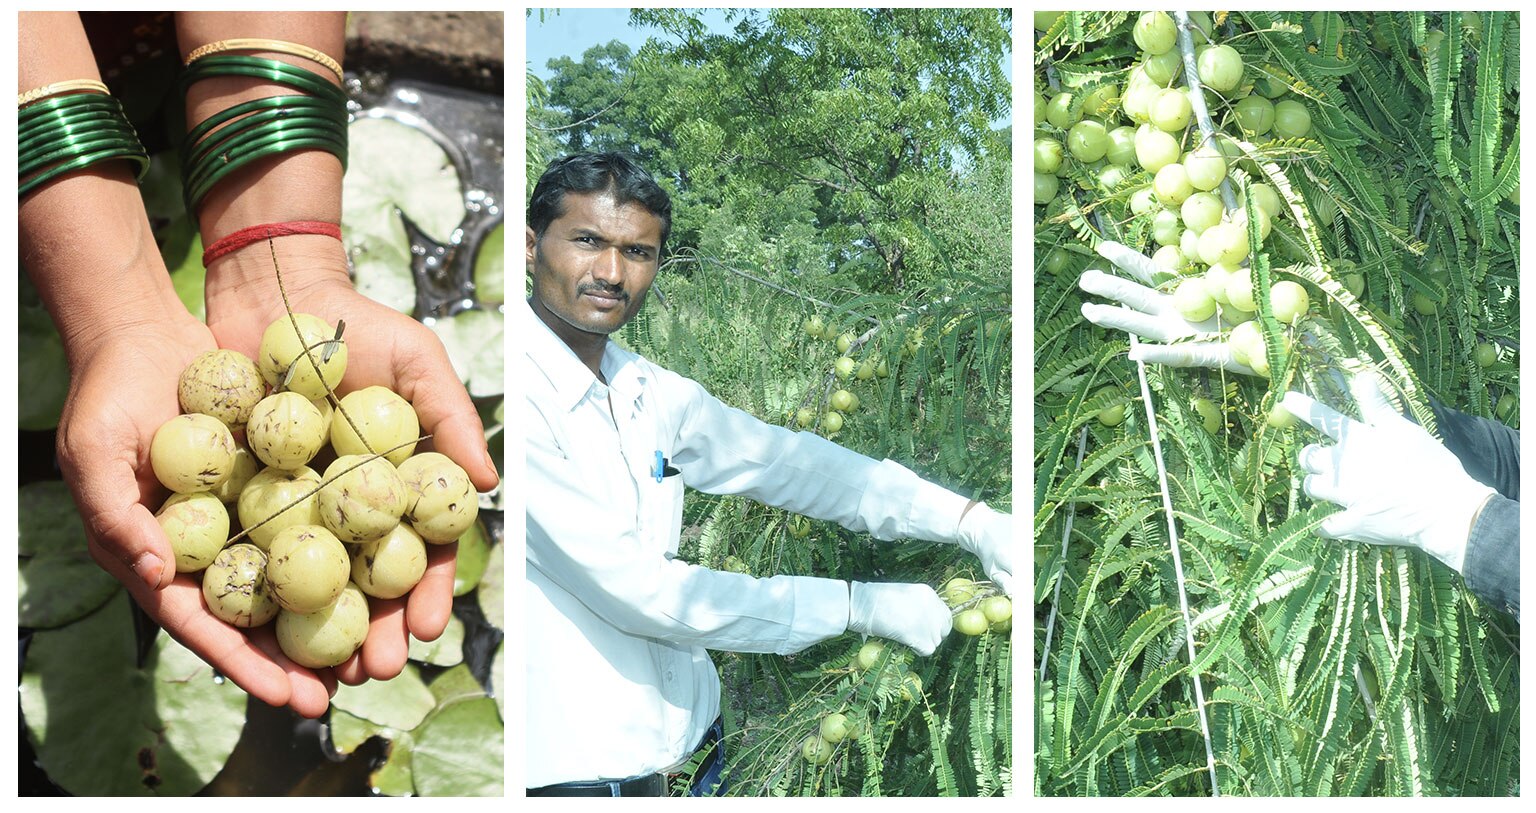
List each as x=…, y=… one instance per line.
x=1240, y=291
x=1224, y=243
x=1171, y=110
x=1193, y=300
x=307, y=568
x=441, y=503
x=1163, y=68
x=281, y=347
x=1155, y=149
x=834, y=728
x=285, y=430
x=1210, y=414
x=326, y=637
x=268, y=492
x=1172, y=185
x=842, y=400
x=388, y=567
x=221, y=383
x=192, y=453
x=235, y=587
x=1289, y=301
x=244, y=468
x=363, y=498
x=197, y=526
x=1200, y=211
x=386, y=421
x=816, y=750
x=1206, y=168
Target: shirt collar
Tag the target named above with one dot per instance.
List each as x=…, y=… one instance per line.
x=571, y=379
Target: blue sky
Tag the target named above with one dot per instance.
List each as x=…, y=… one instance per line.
x=572, y=31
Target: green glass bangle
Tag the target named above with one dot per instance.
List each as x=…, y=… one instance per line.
x=65, y=131
x=288, y=144
x=240, y=131
x=260, y=68
x=256, y=141
x=44, y=155
x=93, y=107
x=203, y=161
x=135, y=154
x=305, y=103
x=45, y=107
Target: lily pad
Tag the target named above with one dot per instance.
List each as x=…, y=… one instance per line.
x=447, y=650
x=349, y=732
x=181, y=248
x=58, y=581
x=474, y=553
x=490, y=277
x=393, y=778
x=401, y=703
x=42, y=370
x=391, y=166
x=474, y=342
x=459, y=751
x=104, y=727
x=492, y=593
x=381, y=265
x=395, y=168
x=456, y=684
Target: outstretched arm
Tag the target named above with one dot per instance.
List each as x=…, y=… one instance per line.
x=87, y=245
x=385, y=347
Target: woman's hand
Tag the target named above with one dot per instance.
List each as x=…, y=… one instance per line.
x=122, y=388
x=384, y=348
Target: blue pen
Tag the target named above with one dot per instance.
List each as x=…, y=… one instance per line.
x=660, y=466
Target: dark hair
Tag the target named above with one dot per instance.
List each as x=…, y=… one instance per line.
x=587, y=172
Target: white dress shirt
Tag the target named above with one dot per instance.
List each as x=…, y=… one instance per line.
x=619, y=680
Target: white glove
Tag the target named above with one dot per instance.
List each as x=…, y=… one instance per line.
x=910, y=614
x=988, y=535
x=1151, y=315
x=1398, y=485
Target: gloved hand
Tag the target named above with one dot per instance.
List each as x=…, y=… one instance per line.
x=1398, y=485
x=910, y=614
x=988, y=535
x=1151, y=315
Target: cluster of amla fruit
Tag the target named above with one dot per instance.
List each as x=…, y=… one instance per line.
x=833, y=728
x=1201, y=244
x=842, y=401
x=316, y=545
x=978, y=607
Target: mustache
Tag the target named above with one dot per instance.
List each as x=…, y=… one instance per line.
x=604, y=288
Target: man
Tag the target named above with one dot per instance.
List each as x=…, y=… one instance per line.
x=1457, y=501
x=620, y=687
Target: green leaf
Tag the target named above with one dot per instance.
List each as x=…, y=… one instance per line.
x=393, y=778
x=400, y=703
x=490, y=278
x=447, y=650
x=492, y=593
x=42, y=370
x=103, y=727
x=474, y=342
x=348, y=731
x=474, y=553
x=456, y=684
x=58, y=581
x=458, y=752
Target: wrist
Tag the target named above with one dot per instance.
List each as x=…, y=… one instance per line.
x=1447, y=539
x=247, y=279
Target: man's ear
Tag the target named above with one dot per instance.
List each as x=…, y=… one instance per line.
x=533, y=242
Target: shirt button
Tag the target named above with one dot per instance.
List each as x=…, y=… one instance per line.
x=669, y=676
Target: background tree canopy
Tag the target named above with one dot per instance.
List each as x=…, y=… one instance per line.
x=847, y=170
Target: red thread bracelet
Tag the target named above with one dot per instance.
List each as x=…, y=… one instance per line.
x=253, y=234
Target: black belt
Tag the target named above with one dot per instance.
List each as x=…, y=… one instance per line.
x=648, y=785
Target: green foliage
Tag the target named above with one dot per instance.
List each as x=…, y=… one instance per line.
x=1328, y=668
x=814, y=174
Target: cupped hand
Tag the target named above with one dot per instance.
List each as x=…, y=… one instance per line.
x=384, y=348
x=122, y=388
x=1151, y=315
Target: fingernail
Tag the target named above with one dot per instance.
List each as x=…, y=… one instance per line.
x=148, y=566
x=490, y=465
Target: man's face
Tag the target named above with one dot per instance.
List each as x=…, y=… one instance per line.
x=594, y=264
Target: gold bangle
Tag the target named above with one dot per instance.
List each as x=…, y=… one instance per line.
x=54, y=89
x=277, y=46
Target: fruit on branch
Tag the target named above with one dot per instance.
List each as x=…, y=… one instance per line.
x=1220, y=68
x=834, y=728
x=1154, y=32
x=816, y=750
